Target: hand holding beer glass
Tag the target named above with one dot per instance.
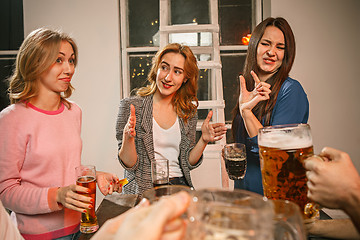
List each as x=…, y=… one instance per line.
x=282, y=150
x=235, y=160
x=86, y=177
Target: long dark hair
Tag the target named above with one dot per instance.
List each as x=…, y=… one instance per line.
x=263, y=109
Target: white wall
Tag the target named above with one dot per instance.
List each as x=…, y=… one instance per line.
x=327, y=36
x=95, y=27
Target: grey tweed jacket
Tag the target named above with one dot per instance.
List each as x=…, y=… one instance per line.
x=141, y=171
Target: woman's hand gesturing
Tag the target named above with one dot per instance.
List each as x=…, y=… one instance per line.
x=212, y=132
x=248, y=100
x=129, y=130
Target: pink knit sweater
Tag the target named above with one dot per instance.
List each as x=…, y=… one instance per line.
x=39, y=151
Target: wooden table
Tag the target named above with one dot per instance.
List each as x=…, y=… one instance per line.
x=116, y=204
x=112, y=206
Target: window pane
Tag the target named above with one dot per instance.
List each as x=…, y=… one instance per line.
x=139, y=69
x=203, y=57
x=189, y=11
x=5, y=72
x=204, y=88
x=191, y=39
x=235, y=20
x=143, y=22
x=12, y=24
x=231, y=69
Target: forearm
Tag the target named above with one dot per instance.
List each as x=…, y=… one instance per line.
x=251, y=123
x=352, y=208
x=127, y=152
x=197, y=151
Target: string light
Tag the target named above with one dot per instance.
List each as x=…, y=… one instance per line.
x=245, y=40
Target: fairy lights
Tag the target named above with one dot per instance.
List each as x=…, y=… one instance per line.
x=245, y=40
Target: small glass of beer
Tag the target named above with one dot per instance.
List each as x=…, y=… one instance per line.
x=283, y=149
x=86, y=177
x=235, y=160
x=160, y=172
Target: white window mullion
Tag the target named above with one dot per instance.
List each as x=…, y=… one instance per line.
x=124, y=38
x=164, y=22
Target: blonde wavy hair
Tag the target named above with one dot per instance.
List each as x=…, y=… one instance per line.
x=185, y=97
x=37, y=53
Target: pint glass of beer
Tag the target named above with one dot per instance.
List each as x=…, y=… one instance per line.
x=283, y=149
x=235, y=160
x=86, y=177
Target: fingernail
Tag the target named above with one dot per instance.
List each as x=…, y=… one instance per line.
x=111, y=183
x=92, y=200
x=84, y=211
x=90, y=206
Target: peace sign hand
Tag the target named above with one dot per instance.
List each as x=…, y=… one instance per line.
x=248, y=100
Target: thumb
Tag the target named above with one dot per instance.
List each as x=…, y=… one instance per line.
x=242, y=83
x=132, y=110
x=208, y=118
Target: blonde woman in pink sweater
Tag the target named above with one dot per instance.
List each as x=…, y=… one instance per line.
x=40, y=143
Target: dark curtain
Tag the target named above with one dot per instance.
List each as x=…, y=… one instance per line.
x=11, y=37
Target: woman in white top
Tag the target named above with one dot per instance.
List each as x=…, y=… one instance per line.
x=160, y=121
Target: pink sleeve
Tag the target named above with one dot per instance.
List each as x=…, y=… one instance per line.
x=13, y=194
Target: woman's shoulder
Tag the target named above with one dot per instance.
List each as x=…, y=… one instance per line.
x=134, y=100
x=13, y=110
x=290, y=85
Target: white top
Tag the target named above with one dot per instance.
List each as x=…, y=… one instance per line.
x=166, y=146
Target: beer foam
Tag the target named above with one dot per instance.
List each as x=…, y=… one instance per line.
x=282, y=140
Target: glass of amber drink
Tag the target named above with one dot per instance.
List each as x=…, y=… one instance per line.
x=283, y=149
x=86, y=177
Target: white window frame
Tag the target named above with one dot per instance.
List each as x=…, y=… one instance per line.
x=217, y=103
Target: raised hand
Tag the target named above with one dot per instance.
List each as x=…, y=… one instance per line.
x=212, y=132
x=129, y=129
x=248, y=100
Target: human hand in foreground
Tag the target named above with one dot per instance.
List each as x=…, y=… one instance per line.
x=129, y=129
x=108, y=183
x=151, y=222
x=248, y=100
x=212, y=132
x=332, y=183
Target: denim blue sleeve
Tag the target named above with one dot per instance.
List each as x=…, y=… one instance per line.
x=292, y=105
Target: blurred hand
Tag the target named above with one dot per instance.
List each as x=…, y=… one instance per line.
x=129, y=129
x=69, y=198
x=331, y=183
x=248, y=100
x=212, y=132
x=159, y=221
x=108, y=183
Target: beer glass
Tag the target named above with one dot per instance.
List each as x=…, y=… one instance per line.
x=160, y=172
x=235, y=160
x=283, y=149
x=241, y=215
x=86, y=177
